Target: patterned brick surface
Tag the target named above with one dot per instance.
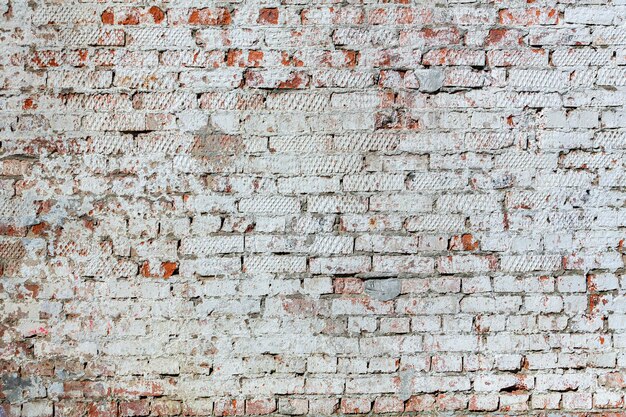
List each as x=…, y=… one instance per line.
x=304, y=207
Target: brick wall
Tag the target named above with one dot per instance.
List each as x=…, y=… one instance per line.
x=312, y=207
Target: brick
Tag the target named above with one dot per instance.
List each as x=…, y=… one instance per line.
x=536, y=80
x=349, y=265
x=134, y=408
x=361, y=223
x=132, y=16
x=396, y=244
x=323, y=405
x=328, y=245
x=395, y=325
x=229, y=407
x=560, y=36
x=211, y=245
x=420, y=403
x=144, y=80
x=58, y=15
x=203, y=80
x=589, y=15
x=84, y=80
x=210, y=266
x=530, y=263
x=466, y=263
x=463, y=203
x=423, y=181
x=294, y=406
x=528, y=17
x=276, y=205
x=336, y=204
x=545, y=401
x=119, y=121
x=355, y=405
x=400, y=202
x=483, y=403
x=279, y=78
x=388, y=404
x=435, y=305
x=430, y=37
x=435, y=222
x=342, y=78
x=230, y=100
x=159, y=37
x=257, y=407
x=503, y=38
x=580, y=57
x=297, y=101
x=98, y=102
x=274, y=264
x=165, y=407
x=331, y=164
x=363, y=141
x=450, y=383
x=608, y=400
x=518, y=58
x=610, y=77
x=514, y=402
x=349, y=36
x=577, y=401
x=199, y=17
x=573, y=283
x=407, y=264
x=454, y=57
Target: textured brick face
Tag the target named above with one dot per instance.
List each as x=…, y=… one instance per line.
x=312, y=207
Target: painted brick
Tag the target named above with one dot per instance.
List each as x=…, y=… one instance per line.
x=336, y=204
x=345, y=265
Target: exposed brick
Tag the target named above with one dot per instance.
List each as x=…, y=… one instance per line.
x=268, y=15
x=257, y=407
x=134, y=408
x=355, y=405
x=199, y=17
x=528, y=16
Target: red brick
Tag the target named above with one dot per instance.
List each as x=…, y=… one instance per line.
x=355, y=405
x=260, y=406
x=528, y=17
x=134, y=408
x=268, y=16
x=388, y=405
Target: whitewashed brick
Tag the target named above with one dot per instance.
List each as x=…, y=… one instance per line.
x=352, y=208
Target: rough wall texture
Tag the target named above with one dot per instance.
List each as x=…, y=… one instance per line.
x=306, y=207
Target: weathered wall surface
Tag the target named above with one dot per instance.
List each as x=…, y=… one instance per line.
x=312, y=207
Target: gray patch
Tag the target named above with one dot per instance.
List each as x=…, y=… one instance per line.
x=383, y=289
x=13, y=387
x=287, y=408
x=406, y=379
x=430, y=79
